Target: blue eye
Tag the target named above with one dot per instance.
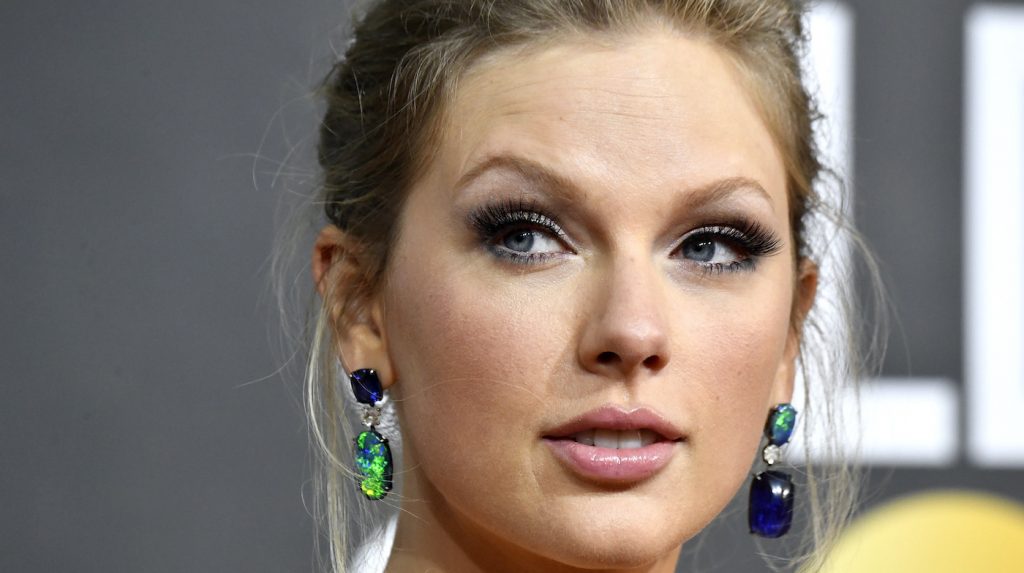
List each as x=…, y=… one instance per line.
x=703, y=251
x=518, y=232
x=530, y=241
x=520, y=241
x=709, y=250
x=720, y=249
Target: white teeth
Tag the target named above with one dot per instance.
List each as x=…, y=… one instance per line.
x=606, y=439
x=616, y=439
x=586, y=437
x=648, y=437
x=629, y=440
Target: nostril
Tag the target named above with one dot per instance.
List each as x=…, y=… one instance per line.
x=607, y=358
x=653, y=362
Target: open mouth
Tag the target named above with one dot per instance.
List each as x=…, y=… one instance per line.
x=614, y=445
x=617, y=439
x=613, y=456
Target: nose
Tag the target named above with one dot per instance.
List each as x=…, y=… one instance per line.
x=625, y=332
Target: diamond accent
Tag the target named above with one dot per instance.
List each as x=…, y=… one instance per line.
x=771, y=454
x=371, y=416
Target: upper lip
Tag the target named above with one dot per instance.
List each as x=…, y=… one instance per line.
x=613, y=417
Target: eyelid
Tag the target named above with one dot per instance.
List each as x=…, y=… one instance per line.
x=751, y=240
x=497, y=218
x=753, y=236
x=502, y=220
x=534, y=222
x=706, y=230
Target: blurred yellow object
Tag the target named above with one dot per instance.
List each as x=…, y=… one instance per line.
x=936, y=532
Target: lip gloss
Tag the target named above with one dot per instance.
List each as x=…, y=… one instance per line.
x=610, y=464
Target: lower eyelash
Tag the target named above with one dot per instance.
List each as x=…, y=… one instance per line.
x=518, y=258
x=747, y=264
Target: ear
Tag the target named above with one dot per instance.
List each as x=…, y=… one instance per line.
x=356, y=316
x=805, y=289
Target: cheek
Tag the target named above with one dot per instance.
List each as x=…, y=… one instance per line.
x=471, y=364
x=735, y=360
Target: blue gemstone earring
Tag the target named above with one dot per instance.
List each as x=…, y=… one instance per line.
x=771, y=492
x=372, y=452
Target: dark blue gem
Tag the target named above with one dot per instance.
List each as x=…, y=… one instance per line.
x=366, y=386
x=771, y=504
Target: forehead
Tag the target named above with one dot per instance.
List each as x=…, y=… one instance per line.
x=657, y=113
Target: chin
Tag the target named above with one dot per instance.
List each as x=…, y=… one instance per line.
x=617, y=550
x=615, y=534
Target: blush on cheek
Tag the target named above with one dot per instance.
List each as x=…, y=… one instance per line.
x=739, y=356
x=469, y=366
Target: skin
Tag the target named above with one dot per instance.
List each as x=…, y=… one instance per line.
x=484, y=355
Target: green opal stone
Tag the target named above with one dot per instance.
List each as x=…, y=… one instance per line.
x=373, y=460
x=780, y=424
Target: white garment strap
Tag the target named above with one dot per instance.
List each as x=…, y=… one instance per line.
x=372, y=556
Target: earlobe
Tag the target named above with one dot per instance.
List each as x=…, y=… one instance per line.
x=363, y=344
x=356, y=316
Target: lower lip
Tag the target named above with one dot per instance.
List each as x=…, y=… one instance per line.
x=612, y=465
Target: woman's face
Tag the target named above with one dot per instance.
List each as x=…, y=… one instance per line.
x=587, y=312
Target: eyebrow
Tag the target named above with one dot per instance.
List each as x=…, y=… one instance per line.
x=563, y=187
x=526, y=169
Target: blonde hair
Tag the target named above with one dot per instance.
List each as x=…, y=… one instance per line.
x=385, y=105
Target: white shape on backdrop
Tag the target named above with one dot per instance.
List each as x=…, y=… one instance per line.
x=993, y=250
x=905, y=421
x=829, y=70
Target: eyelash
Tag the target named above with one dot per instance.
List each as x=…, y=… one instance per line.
x=751, y=239
x=494, y=221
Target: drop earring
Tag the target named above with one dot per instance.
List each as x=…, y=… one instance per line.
x=771, y=492
x=372, y=452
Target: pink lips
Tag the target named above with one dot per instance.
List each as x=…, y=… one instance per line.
x=611, y=464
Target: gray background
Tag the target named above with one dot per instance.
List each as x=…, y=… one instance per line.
x=142, y=423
